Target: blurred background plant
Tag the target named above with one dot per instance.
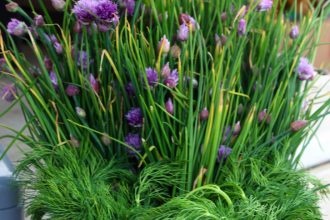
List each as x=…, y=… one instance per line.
x=167, y=109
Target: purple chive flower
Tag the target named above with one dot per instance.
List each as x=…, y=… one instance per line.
x=305, y=70
x=172, y=80
x=164, y=45
x=77, y=27
x=8, y=93
x=106, y=12
x=166, y=70
x=133, y=140
x=130, y=89
x=16, y=27
x=183, y=32
x=53, y=79
x=58, y=48
x=204, y=115
x=265, y=5
x=294, y=33
x=223, y=153
x=135, y=117
x=152, y=77
x=72, y=90
x=129, y=5
x=220, y=41
x=169, y=106
x=39, y=20
x=189, y=21
x=94, y=83
x=298, y=125
x=58, y=4
x=241, y=27
x=85, y=11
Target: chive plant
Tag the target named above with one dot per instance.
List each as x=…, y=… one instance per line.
x=165, y=109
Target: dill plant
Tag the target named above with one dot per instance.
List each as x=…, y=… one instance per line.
x=165, y=109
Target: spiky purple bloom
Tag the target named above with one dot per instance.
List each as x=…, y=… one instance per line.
x=183, y=32
x=53, y=79
x=58, y=4
x=241, y=30
x=8, y=93
x=152, y=77
x=265, y=5
x=294, y=33
x=130, y=89
x=94, y=83
x=223, y=153
x=129, y=5
x=172, y=80
x=169, y=106
x=106, y=12
x=166, y=70
x=16, y=27
x=85, y=11
x=204, y=115
x=298, y=125
x=164, y=45
x=72, y=90
x=305, y=70
x=135, y=117
x=39, y=20
x=133, y=140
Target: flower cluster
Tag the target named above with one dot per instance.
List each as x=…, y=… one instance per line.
x=103, y=13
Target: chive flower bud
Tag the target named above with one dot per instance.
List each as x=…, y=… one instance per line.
x=12, y=7
x=48, y=64
x=81, y=112
x=58, y=48
x=204, y=114
x=166, y=70
x=264, y=116
x=175, y=51
x=298, y=125
x=106, y=140
x=189, y=21
x=53, y=79
x=224, y=17
x=237, y=128
x=58, y=4
x=16, y=27
x=72, y=90
x=164, y=45
x=169, y=106
x=130, y=89
x=94, y=83
x=241, y=27
x=39, y=20
x=129, y=5
x=294, y=33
